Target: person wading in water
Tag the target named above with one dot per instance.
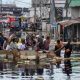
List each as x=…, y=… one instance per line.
x=57, y=51
x=68, y=49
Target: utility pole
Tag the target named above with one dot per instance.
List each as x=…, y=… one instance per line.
x=34, y=26
x=67, y=6
x=1, y=6
x=44, y=14
x=53, y=18
x=41, y=16
x=34, y=13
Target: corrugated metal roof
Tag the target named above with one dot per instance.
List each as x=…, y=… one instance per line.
x=74, y=3
x=66, y=23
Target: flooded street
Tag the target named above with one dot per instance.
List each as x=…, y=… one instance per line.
x=39, y=39
x=68, y=70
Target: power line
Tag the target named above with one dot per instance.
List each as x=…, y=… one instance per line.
x=68, y=3
x=67, y=6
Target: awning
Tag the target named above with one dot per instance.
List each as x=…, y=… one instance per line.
x=74, y=3
x=66, y=23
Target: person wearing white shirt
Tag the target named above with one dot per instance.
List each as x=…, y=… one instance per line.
x=22, y=46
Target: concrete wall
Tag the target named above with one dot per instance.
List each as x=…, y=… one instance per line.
x=38, y=3
x=44, y=12
x=60, y=3
x=68, y=12
x=75, y=12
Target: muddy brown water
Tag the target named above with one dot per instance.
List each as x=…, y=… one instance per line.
x=68, y=70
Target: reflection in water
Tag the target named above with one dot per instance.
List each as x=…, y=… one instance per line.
x=67, y=68
x=51, y=68
x=31, y=72
x=1, y=66
x=58, y=64
x=40, y=71
x=54, y=72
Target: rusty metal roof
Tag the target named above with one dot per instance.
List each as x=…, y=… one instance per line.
x=66, y=23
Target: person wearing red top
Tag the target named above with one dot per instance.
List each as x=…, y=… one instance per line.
x=46, y=43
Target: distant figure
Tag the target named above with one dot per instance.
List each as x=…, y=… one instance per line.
x=12, y=35
x=68, y=49
x=47, y=43
x=58, y=47
x=6, y=41
x=22, y=46
x=13, y=44
x=1, y=41
x=39, y=43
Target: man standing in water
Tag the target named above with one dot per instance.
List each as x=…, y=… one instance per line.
x=68, y=49
x=67, y=63
x=58, y=47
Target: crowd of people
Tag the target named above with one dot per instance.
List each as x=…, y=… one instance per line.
x=37, y=43
x=32, y=41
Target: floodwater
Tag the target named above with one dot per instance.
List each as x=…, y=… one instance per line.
x=68, y=70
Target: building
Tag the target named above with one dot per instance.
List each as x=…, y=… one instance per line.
x=12, y=9
x=75, y=8
x=59, y=6
x=60, y=9
x=42, y=13
x=42, y=9
x=71, y=27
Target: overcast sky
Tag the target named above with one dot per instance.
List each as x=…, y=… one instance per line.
x=19, y=3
